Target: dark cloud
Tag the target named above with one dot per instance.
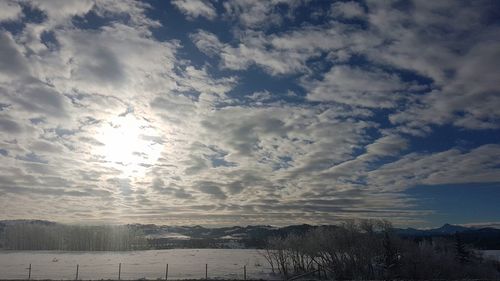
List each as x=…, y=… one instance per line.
x=12, y=62
x=41, y=146
x=235, y=187
x=40, y=98
x=212, y=189
x=9, y=126
x=103, y=66
x=53, y=192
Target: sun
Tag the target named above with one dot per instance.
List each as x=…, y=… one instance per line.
x=129, y=144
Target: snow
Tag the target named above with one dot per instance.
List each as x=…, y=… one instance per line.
x=172, y=235
x=492, y=254
x=183, y=264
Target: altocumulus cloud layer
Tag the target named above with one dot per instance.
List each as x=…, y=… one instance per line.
x=244, y=112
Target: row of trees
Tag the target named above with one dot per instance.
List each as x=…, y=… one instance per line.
x=27, y=236
x=369, y=249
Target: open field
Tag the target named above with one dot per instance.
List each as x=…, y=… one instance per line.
x=492, y=254
x=182, y=263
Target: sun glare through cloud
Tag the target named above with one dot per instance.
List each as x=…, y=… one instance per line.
x=128, y=144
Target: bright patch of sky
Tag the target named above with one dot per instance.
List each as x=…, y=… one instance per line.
x=249, y=112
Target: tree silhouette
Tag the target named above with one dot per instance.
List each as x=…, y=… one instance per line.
x=462, y=254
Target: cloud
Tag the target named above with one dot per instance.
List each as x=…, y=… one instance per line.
x=387, y=145
x=12, y=63
x=40, y=98
x=106, y=61
x=10, y=11
x=255, y=14
x=9, y=126
x=221, y=141
x=347, y=10
x=260, y=96
x=356, y=86
x=196, y=8
x=46, y=147
x=55, y=192
x=177, y=192
x=60, y=11
x=211, y=189
x=246, y=54
x=428, y=45
x=200, y=81
x=289, y=52
x=452, y=166
x=354, y=169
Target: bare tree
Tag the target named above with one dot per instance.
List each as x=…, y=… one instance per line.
x=369, y=249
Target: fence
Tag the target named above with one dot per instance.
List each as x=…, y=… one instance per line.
x=128, y=271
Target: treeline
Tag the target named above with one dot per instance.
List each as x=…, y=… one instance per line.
x=369, y=249
x=27, y=236
x=485, y=239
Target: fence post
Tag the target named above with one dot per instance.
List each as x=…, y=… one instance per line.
x=244, y=272
x=77, y=266
x=206, y=271
x=166, y=272
x=29, y=272
x=119, y=271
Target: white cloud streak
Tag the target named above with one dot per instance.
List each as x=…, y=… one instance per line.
x=196, y=8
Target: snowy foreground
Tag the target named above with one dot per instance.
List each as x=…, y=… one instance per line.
x=492, y=254
x=183, y=264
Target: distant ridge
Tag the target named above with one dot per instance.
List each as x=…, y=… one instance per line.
x=257, y=235
x=446, y=229
x=198, y=231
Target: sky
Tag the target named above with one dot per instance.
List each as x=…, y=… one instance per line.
x=239, y=112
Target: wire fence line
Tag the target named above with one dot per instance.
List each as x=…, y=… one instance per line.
x=127, y=271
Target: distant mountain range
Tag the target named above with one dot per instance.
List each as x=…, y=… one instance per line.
x=256, y=235
x=262, y=231
x=446, y=229
x=485, y=238
x=233, y=232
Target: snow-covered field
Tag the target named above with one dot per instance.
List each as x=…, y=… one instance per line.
x=492, y=254
x=183, y=264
